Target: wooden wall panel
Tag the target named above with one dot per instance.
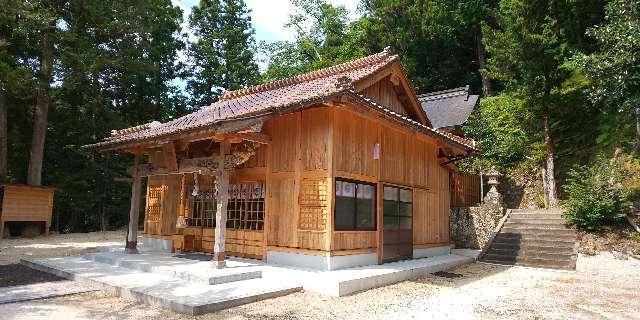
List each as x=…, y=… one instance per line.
x=355, y=138
x=25, y=203
x=311, y=240
x=384, y=93
x=397, y=162
x=171, y=202
x=353, y=240
x=162, y=204
x=315, y=138
x=445, y=201
x=426, y=217
x=284, y=142
x=282, y=220
x=424, y=163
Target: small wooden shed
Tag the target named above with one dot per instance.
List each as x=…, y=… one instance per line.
x=24, y=203
x=334, y=168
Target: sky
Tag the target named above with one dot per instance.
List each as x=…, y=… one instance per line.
x=269, y=16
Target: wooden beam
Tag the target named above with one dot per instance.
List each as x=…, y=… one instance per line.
x=222, y=182
x=169, y=155
x=254, y=137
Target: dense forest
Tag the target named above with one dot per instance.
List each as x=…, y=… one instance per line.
x=560, y=83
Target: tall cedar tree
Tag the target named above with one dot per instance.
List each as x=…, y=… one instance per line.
x=15, y=79
x=47, y=29
x=614, y=68
x=529, y=49
x=439, y=41
x=222, y=57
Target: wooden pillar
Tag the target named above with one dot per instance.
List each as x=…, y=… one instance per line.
x=132, y=235
x=222, y=181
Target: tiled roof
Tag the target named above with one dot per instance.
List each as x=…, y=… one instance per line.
x=263, y=99
x=270, y=98
x=448, y=108
x=436, y=133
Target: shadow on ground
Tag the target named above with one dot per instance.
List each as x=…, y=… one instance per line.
x=18, y=275
x=462, y=275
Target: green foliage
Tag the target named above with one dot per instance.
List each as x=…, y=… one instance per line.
x=438, y=40
x=222, y=56
x=497, y=127
x=614, y=70
x=324, y=37
x=600, y=194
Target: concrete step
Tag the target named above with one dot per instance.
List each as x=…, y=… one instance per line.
x=157, y=289
x=535, y=262
x=537, y=220
x=540, y=225
x=529, y=230
x=537, y=211
x=535, y=216
x=567, y=248
x=167, y=265
x=559, y=254
x=533, y=237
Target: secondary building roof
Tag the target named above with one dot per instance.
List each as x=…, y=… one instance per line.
x=254, y=103
x=448, y=108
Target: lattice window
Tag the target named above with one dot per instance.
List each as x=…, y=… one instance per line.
x=313, y=204
x=201, y=211
x=245, y=210
x=154, y=203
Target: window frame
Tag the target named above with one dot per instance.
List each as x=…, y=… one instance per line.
x=355, y=212
x=398, y=202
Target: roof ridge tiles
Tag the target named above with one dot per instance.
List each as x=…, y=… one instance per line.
x=386, y=54
x=460, y=90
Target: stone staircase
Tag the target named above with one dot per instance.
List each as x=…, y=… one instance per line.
x=534, y=238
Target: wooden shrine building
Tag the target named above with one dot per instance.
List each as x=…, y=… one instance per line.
x=334, y=168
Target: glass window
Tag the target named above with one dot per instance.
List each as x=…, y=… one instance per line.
x=398, y=208
x=355, y=206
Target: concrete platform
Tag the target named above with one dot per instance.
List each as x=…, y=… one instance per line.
x=158, y=289
x=189, y=270
x=348, y=281
x=183, y=285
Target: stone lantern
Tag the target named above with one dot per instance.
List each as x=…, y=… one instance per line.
x=493, y=197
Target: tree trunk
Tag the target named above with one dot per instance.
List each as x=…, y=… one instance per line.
x=34, y=175
x=486, y=83
x=545, y=187
x=638, y=129
x=551, y=180
x=134, y=212
x=3, y=135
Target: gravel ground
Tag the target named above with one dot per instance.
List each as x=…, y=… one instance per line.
x=11, y=250
x=602, y=287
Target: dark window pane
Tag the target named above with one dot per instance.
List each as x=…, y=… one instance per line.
x=405, y=222
x=345, y=210
x=390, y=214
x=390, y=193
x=365, y=215
x=406, y=195
x=405, y=209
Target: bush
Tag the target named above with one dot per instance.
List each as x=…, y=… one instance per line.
x=601, y=193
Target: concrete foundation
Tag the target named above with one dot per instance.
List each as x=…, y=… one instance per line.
x=321, y=262
x=430, y=252
x=185, y=285
x=156, y=244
